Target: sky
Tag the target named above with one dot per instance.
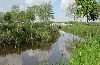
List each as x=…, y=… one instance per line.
x=59, y=7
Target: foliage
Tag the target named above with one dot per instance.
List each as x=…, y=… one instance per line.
x=88, y=8
x=15, y=8
x=45, y=12
x=14, y=35
x=14, y=12
x=99, y=9
x=22, y=17
x=1, y=17
x=7, y=16
x=30, y=14
x=72, y=22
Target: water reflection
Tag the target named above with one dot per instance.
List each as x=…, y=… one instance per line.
x=11, y=59
x=35, y=56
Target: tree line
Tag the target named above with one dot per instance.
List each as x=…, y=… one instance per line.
x=43, y=12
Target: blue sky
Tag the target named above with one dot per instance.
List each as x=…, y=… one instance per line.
x=58, y=7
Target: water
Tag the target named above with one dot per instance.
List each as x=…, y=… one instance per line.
x=35, y=57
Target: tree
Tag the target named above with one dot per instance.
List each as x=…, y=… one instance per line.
x=45, y=12
x=7, y=16
x=49, y=11
x=71, y=10
x=14, y=16
x=15, y=8
x=1, y=17
x=22, y=16
x=99, y=9
x=87, y=8
x=15, y=11
x=30, y=14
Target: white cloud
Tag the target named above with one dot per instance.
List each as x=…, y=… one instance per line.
x=29, y=1
x=38, y=2
x=65, y=3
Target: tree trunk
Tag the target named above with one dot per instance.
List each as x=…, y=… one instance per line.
x=74, y=17
x=87, y=20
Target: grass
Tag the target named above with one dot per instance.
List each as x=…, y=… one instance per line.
x=83, y=31
x=88, y=52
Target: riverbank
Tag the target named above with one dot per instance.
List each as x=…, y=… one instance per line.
x=85, y=53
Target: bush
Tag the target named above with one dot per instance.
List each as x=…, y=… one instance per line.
x=30, y=34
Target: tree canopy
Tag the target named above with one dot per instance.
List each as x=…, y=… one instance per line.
x=7, y=16
x=88, y=8
x=45, y=12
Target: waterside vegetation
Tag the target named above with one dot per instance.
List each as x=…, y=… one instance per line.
x=87, y=52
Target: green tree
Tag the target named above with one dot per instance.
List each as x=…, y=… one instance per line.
x=15, y=11
x=49, y=12
x=45, y=12
x=71, y=10
x=15, y=8
x=21, y=16
x=99, y=9
x=87, y=8
x=7, y=16
x=14, y=16
x=1, y=17
x=30, y=13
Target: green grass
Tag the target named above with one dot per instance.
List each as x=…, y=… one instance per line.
x=88, y=52
x=83, y=31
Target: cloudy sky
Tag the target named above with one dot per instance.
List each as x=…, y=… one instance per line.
x=58, y=6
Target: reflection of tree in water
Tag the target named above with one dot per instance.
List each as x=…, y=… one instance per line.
x=19, y=49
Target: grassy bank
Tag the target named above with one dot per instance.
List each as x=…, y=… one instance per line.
x=83, y=31
x=85, y=53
